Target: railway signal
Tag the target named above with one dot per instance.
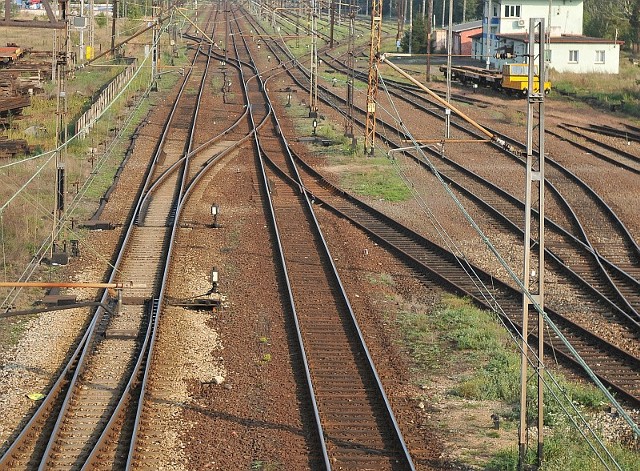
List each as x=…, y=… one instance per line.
x=504, y=55
x=214, y=213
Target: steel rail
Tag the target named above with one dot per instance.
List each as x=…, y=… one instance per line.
x=626, y=311
x=126, y=395
x=281, y=257
x=416, y=260
x=610, y=131
x=81, y=354
x=586, y=332
x=170, y=249
x=612, y=160
x=296, y=183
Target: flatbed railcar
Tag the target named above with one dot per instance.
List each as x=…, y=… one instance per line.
x=10, y=54
x=514, y=78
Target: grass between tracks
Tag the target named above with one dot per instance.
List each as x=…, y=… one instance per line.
x=615, y=92
x=481, y=364
x=364, y=175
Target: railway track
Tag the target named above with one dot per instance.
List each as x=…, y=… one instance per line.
x=106, y=421
x=599, y=150
x=601, y=269
x=574, y=256
x=355, y=423
x=600, y=349
x=95, y=424
x=624, y=131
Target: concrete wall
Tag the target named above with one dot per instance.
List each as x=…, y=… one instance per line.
x=566, y=16
x=586, y=58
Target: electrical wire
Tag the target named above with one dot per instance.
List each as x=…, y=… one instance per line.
x=48, y=242
x=549, y=323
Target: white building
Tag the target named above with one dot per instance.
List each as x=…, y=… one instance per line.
x=506, y=29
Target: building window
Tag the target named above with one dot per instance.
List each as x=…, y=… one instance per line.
x=495, y=10
x=599, y=57
x=573, y=56
x=512, y=11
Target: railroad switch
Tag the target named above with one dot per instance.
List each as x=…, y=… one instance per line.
x=209, y=303
x=97, y=225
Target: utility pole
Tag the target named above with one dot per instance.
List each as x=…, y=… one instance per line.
x=114, y=17
x=372, y=89
x=348, y=121
x=447, y=111
x=429, y=33
x=487, y=31
x=533, y=278
x=226, y=32
x=81, y=48
x=400, y=19
x=61, y=134
x=313, y=89
x=155, y=46
x=333, y=20
x=410, y=26
x=92, y=26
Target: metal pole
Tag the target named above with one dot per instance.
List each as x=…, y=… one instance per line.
x=538, y=99
x=333, y=20
x=81, y=51
x=410, y=26
x=447, y=111
x=91, y=28
x=429, y=33
x=226, y=32
x=313, y=89
x=114, y=17
x=533, y=279
x=487, y=40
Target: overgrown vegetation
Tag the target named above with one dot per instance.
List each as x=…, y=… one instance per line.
x=470, y=343
x=614, y=19
x=619, y=92
x=89, y=163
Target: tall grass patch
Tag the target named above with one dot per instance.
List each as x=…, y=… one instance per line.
x=475, y=351
x=374, y=177
x=616, y=92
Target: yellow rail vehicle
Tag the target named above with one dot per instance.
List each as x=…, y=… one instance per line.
x=514, y=78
